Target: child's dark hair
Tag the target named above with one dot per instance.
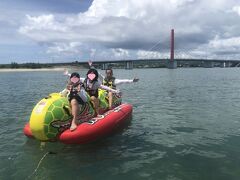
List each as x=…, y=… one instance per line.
x=94, y=71
x=75, y=74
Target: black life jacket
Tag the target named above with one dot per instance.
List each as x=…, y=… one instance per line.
x=74, y=92
x=74, y=86
x=90, y=90
x=109, y=82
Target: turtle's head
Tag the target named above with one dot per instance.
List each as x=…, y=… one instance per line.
x=50, y=117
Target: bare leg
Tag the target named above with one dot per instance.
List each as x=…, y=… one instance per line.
x=75, y=109
x=95, y=102
x=110, y=99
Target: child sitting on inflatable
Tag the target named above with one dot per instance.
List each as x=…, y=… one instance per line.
x=110, y=81
x=76, y=96
x=91, y=85
x=76, y=92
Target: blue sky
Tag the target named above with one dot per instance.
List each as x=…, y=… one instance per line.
x=40, y=6
x=68, y=30
x=19, y=48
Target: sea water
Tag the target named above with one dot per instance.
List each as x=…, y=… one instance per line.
x=185, y=126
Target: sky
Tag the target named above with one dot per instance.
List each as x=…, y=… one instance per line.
x=43, y=31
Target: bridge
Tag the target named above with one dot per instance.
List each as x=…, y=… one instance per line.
x=171, y=63
x=136, y=63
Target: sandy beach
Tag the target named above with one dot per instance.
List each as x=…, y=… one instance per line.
x=40, y=69
x=24, y=70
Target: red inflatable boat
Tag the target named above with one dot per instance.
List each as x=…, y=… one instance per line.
x=98, y=127
x=94, y=128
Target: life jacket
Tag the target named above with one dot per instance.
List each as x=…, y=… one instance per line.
x=74, y=86
x=109, y=82
x=90, y=90
x=74, y=92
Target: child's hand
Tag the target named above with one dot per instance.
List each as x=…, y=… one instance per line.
x=69, y=87
x=119, y=93
x=90, y=63
x=79, y=88
x=135, y=79
x=66, y=73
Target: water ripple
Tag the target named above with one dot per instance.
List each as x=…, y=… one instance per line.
x=185, y=125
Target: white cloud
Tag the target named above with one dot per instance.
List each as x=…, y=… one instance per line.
x=217, y=43
x=120, y=53
x=43, y=28
x=43, y=22
x=142, y=54
x=110, y=54
x=71, y=48
x=236, y=9
x=129, y=28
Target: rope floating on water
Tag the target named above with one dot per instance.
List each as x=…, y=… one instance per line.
x=39, y=163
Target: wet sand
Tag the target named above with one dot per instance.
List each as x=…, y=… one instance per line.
x=24, y=70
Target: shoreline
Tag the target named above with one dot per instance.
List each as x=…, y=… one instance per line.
x=37, y=69
x=30, y=70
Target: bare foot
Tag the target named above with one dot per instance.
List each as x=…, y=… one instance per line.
x=73, y=126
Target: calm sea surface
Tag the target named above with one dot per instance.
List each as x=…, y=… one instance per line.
x=185, y=126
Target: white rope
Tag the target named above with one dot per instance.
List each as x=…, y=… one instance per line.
x=38, y=165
